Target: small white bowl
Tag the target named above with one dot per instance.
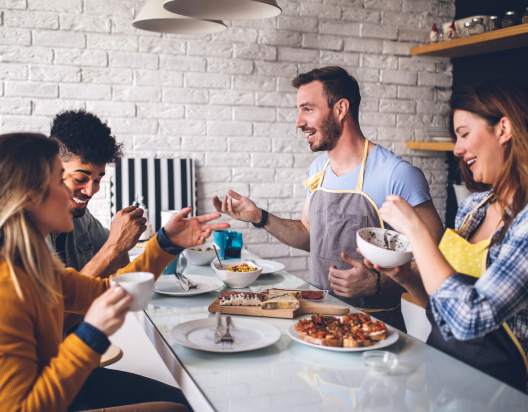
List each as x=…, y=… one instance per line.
x=370, y=242
x=381, y=361
x=236, y=280
x=203, y=257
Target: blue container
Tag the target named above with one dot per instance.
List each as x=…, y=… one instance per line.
x=230, y=243
x=171, y=268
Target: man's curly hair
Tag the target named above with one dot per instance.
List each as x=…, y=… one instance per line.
x=83, y=134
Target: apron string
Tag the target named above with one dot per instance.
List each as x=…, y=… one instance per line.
x=368, y=310
x=359, y=186
x=469, y=216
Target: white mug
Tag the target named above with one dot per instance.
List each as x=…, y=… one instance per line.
x=139, y=285
x=166, y=216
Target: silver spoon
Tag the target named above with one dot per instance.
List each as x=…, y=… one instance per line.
x=221, y=267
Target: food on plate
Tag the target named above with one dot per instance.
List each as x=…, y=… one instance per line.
x=244, y=267
x=357, y=340
x=273, y=293
x=377, y=330
x=305, y=294
x=352, y=331
x=200, y=249
x=242, y=299
x=280, y=302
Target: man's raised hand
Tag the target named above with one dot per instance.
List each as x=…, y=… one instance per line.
x=243, y=209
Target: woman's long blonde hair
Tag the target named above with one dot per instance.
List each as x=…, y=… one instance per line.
x=492, y=100
x=26, y=161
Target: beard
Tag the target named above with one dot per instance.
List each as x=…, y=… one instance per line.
x=79, y=212
x=330, y=132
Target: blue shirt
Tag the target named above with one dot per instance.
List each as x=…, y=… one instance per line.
x=501, y=293
x=385, y=174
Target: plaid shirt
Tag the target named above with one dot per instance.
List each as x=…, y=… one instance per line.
x=500, y=295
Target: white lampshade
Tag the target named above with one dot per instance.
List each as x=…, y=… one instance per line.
x=224, y=9
x=153, y=17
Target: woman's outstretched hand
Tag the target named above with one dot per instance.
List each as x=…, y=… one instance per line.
x=191, y=231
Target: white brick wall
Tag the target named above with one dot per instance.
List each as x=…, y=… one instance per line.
x=225, y=99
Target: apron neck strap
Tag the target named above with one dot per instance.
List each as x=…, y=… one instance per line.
x=359, y=186
x=469, y=216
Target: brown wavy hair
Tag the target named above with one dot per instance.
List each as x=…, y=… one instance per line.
x=492, y=100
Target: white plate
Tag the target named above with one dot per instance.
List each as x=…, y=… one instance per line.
x=392, y=337
x=268, y=266
x=248, y=335
x=169, y=285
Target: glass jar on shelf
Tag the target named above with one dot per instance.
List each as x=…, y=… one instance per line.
x=525, y=17
x=465, y=29
x=476, y=26
x=494, y=23
x=511, y=19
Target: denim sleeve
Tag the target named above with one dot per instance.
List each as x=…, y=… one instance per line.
x=93, y=337
x=166, y=244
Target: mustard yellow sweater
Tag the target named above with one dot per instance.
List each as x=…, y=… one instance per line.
x=39, y=371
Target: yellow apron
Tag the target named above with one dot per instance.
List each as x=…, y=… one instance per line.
x=470, y=259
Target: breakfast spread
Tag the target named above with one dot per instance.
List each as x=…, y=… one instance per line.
x=244, y=267
x=285, y=301
x=242, y=299
x=352, y=331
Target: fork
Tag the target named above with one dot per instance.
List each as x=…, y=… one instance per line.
x=218, y=330
x=227, y=339
x=185, y=283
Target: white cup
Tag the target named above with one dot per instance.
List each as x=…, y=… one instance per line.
x=139, y=285
x=166, y=216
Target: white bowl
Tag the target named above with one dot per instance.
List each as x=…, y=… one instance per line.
x=203, y=257
x=237, y=280
x=370, y=242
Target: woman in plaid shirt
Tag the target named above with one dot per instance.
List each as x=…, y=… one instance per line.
x=479, y=312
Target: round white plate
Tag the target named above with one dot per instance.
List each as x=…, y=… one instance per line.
x=169, y=285
x=392, y=337
x=268, y=266
x=248, y=335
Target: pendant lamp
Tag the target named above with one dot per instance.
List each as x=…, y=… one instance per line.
x=224, y=9
x=153, y=17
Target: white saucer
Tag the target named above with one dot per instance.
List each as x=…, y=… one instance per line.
x=248, y=334
x=169, y=285
x=392, y=337
x=268, y=266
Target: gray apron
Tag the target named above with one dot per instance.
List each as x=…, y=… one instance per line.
x=335, y=217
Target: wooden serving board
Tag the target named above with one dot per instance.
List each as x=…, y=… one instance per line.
x=305, y=307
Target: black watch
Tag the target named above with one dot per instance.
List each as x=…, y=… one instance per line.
x=264, y=220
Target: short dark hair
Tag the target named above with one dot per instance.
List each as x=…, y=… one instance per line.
x=337, y=84
x=83, y=134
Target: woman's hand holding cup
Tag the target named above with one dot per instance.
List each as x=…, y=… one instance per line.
x=107, y=312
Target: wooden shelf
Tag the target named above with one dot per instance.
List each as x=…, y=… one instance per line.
x=503, y=39
x=438, y=146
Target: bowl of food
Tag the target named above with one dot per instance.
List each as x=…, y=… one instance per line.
x=239, y=275
x=201, y=255
x=395, y=252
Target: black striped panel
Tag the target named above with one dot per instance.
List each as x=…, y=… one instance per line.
x=165, y=184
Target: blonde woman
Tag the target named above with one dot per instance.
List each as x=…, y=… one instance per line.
x=39, y=372
x=475, y=285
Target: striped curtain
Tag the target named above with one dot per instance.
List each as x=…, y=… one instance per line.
x=165, y=184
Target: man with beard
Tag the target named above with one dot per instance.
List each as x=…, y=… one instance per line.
x=346, y=186
x=86, y=147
